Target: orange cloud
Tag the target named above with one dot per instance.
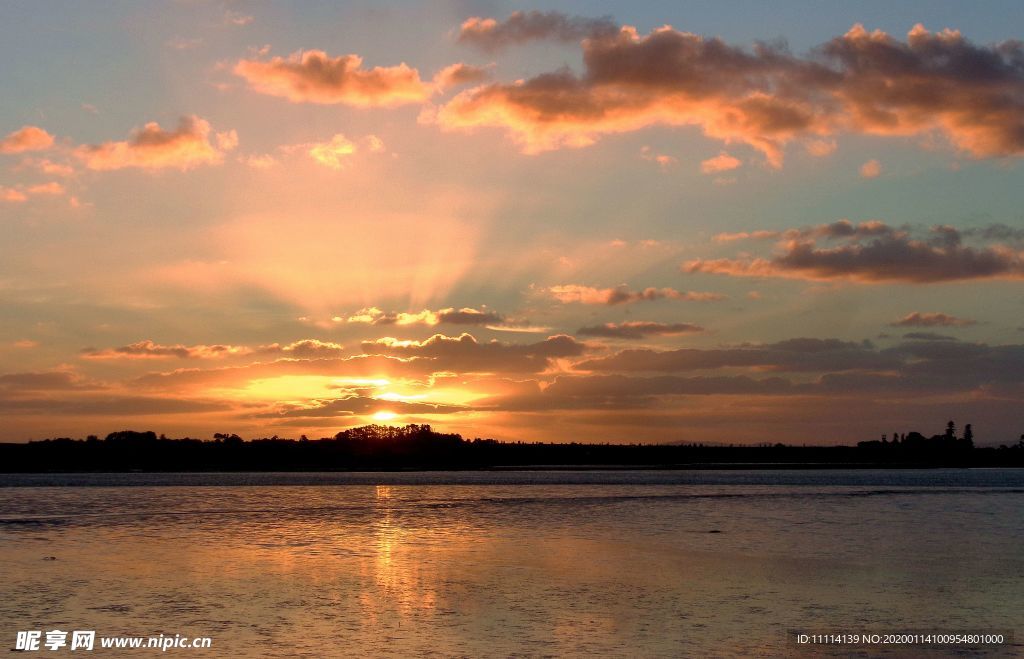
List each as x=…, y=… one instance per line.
x=21, y=193
x=459, y=74
x=764, y=97
x=664, y=161
x=871, y=169
x=666, y=77
x=451, y=316
x=570, y=293
x=26, y=138
x=332, y=153
x=313, y=76
x=51, y=188
x=744, y=235
x=723, y=162
x=12, y=195
x=152, y=147
x=50, y=167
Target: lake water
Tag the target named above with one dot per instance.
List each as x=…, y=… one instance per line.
x=610, y=563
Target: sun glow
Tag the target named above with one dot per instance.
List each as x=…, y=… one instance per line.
x=384, y=416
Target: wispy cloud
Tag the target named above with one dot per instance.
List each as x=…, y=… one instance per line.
x=638, y=329
x=570, y=293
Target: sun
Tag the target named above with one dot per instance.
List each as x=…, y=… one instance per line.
x=384, y=416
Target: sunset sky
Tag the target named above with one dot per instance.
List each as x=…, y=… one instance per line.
x=591, y=221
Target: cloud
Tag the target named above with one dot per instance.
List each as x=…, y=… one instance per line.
x=152, y=147
x=871, y=169
x=873, y=252
x=147, y=349
x=12, y=195
x=926, y=364
x=41, y=381
x=261, y=161
x=723, y=162
x=745, y=235
x=26, y=138
x=332, y=153
x=793, y=355
x=860, y=82
x=928, y=336
x=304, y=349
x=22, y=194
x=604, y=386
x=821, y=148
x=357, y=405
x=934, y=81
x=183, y=43
x=450, y=316
x=664, y=161
x=469, y=316
x=521, y=27
x=460, y=74
x=839, y=229
x=464, y=354
x=357, y=366
x=237, y=18
x=638, y=329
x=49, y=167
x=926, y=319
x=570, y=293
x=997, y=231
x=313, y=76
x=52, y=188
x=120, y=405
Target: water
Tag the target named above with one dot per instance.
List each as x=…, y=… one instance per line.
x=620, y=563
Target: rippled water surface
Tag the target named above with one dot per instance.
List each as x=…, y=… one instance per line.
x=627, y=563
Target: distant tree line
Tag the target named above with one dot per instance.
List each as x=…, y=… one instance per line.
x=378, y=447
x=914, y=442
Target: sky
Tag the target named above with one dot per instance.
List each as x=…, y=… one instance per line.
x=718, y=222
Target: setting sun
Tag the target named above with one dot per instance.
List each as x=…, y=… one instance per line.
x=384, y=416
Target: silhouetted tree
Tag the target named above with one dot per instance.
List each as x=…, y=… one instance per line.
x=968, y=439
x=124, y=436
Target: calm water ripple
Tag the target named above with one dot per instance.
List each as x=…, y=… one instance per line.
x=620, y=563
